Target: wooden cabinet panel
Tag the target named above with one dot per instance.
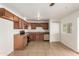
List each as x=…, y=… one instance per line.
x=16, y=25
x=18, y=22
x=6, y=14
x=16, y=19
x=43, y=25
x=21, y=24
x=33, y=25
x=39, y=36
x=20, y=41
x=32, y=36
x=24, y=24
x=2, y=12
x=36, y=36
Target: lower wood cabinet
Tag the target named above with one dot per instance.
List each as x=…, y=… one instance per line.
x=20, y=41
x=36, y=36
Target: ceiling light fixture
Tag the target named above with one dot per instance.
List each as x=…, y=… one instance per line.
x=38, y=16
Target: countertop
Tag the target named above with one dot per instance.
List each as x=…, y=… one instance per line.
x=17, y=31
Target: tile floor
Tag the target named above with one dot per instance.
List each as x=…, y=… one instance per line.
x=44, y=48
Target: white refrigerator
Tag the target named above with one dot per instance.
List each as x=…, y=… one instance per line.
x=6, y=36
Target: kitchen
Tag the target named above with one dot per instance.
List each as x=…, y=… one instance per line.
x=25, y=31
x=35, y=31
x=39, y=29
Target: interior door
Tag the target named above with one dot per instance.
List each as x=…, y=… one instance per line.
x=54, y=32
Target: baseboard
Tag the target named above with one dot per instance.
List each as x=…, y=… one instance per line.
x=54, y=41
x=69, y=48
x=10, y=53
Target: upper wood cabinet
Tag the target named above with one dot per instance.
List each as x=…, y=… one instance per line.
x=16, y=25
x=25, y=24
x=18, y=22
x=43, y=25
x=6, y=14
x=15, y=18
x=21, y=24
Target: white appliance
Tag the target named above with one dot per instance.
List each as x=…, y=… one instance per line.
x=6, y=36
x=46, y=36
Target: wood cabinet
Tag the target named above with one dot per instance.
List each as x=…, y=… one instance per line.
x=16, y=25
x=36, y=36
x=18, y=22
x=21, y=24
x=16, y=19
x=25, y=24
x=39, y=36
x=6, y=14
x=20, y=41
x=43, y=25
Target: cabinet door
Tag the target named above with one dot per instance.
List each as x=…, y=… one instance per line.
x=33, y=25
x=37, y=36
x=44, y=25
x=20, y=23
x=18, y=42
x=2, y=11
x=16, y=25
x=41, y=36
x=24, y=41
x=8, y=15
x=32, y=36
x=16, y=19
x=25, y=25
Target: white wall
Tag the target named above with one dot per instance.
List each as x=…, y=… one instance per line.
x=78, y=33
x=6, y=37
x=54, y=29
x=70, y=39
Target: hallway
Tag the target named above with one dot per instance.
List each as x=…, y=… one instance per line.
x=44, y=48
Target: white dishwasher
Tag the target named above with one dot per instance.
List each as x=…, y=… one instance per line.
x=46, y=36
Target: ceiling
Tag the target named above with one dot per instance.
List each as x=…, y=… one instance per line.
x=43, y=10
